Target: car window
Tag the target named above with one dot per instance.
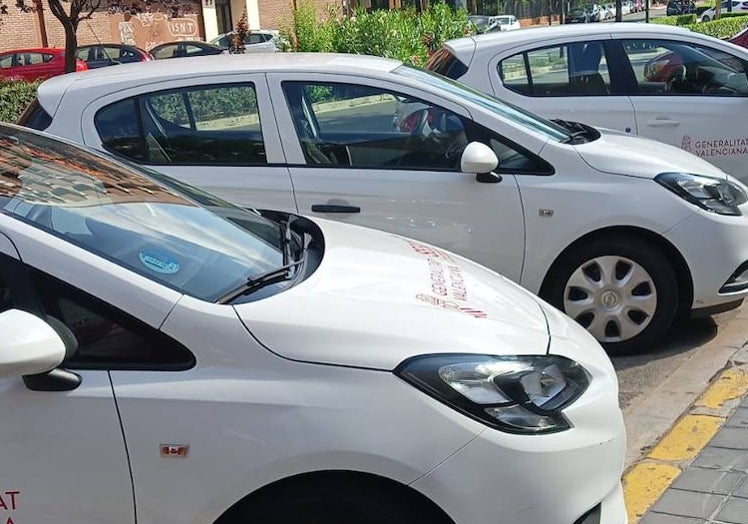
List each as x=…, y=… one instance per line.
x=363, y=127
x=678, y=68
x=192, y=50
x=211, y=125
x=575, y=69
x=130, y=219
x=6, y=61
x=82, y=53
x=165, y=52
x=255, y=39
x=107, y=337
x=28, y=59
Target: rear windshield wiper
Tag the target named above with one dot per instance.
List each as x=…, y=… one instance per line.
x=274, y=276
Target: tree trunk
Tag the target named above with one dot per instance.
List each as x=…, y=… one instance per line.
x=70, y=25
x=619, y=14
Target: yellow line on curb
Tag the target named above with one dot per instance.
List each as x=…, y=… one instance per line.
x=647, y=480
x=689, y=436
x=644, y=484
x=731, y=384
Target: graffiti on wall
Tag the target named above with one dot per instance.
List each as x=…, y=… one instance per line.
x=148, y=29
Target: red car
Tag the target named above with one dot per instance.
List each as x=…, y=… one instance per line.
x=741, y=38
x=34, y=64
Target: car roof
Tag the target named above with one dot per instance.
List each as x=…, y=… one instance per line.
x=98, y=82
x=541, y=34
x=51, y=50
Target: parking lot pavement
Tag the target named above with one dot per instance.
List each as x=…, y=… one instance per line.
x=697, y=473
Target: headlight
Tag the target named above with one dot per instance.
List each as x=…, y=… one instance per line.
x=517, y=394
x=712, y=194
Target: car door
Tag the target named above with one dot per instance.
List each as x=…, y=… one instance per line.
x=61, y=448
x=692, y=96
x=572, y=79
x=218, y=134
x=367, y=153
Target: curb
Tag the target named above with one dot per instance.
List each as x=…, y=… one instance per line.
x=647, y=479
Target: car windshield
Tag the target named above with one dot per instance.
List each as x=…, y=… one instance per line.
x=496, y=106
x=133, y=220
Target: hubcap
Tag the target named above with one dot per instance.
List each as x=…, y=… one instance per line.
x=613, y=297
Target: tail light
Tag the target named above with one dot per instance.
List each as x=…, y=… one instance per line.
x=80, y=65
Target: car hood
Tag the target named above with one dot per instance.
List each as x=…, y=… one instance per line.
x=377, y=299
x=623, y=154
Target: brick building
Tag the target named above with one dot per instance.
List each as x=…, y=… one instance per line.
x=202, y=20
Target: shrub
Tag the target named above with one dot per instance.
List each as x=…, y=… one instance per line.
x=401, y=34
x=722, y=28
x=14, y=99
x=675, y=20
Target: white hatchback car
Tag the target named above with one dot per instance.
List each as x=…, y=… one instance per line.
x=256, y=41
x=666, y=83
x=620, y=232
x=168, y=358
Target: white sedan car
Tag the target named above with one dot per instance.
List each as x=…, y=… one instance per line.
x=620, y=232
x=666, y=83
x=738, y=6
x=167, y=358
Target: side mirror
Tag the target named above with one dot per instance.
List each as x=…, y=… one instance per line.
x=481, y=160
x=29, y=345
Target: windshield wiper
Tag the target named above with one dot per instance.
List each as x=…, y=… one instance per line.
x=274, y=276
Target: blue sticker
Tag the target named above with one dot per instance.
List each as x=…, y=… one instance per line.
x=159, y=262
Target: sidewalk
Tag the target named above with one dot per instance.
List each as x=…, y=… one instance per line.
x=698, y=472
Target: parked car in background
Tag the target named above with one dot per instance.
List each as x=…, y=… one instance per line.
x=508, y=23
x=577, y=15
x=103, y=55
x=741, y=38
x=257, y=41
x=130, y=300
x=483, y=23
x=666, y=83
x=738, y=6
x=34, y=64
x=611, y=10
x=625, y=8
x=680, y=7
x=548, y=205
x=185, y=48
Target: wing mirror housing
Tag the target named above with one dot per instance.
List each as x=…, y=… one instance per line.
x=29, y=345
x=480, y=159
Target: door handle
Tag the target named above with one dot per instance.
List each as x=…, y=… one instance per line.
x=662, y=122
x=335, y=208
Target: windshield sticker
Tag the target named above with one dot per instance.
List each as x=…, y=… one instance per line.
x=716, y=147
x=8, y=504
x=159, y=262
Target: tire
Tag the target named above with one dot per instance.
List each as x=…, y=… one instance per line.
x=340, y=502
x=622, y=289
x=705, y=18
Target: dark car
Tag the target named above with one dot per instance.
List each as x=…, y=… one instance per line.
x=185, y=48
x=578, y=15
x=680, y=7
x=741, y=38
x=103, y=55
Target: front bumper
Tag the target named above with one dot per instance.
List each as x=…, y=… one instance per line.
x=715, y=248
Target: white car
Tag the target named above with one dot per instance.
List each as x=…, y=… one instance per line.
x=666, y=83
x=738, y=6
x=168, y=358
x=620, y=232
x=256, y=41
x=507, y=22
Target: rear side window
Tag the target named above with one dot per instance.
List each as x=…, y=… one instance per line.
x=576, y=69
x=446, y=64
x=207, y=125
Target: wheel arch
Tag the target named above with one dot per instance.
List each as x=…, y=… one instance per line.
x=682, y=272
x=388, y=488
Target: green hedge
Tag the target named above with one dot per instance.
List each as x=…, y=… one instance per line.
x=675, y=20
x=722, y=28
x=14, y=98
x=401, y=34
